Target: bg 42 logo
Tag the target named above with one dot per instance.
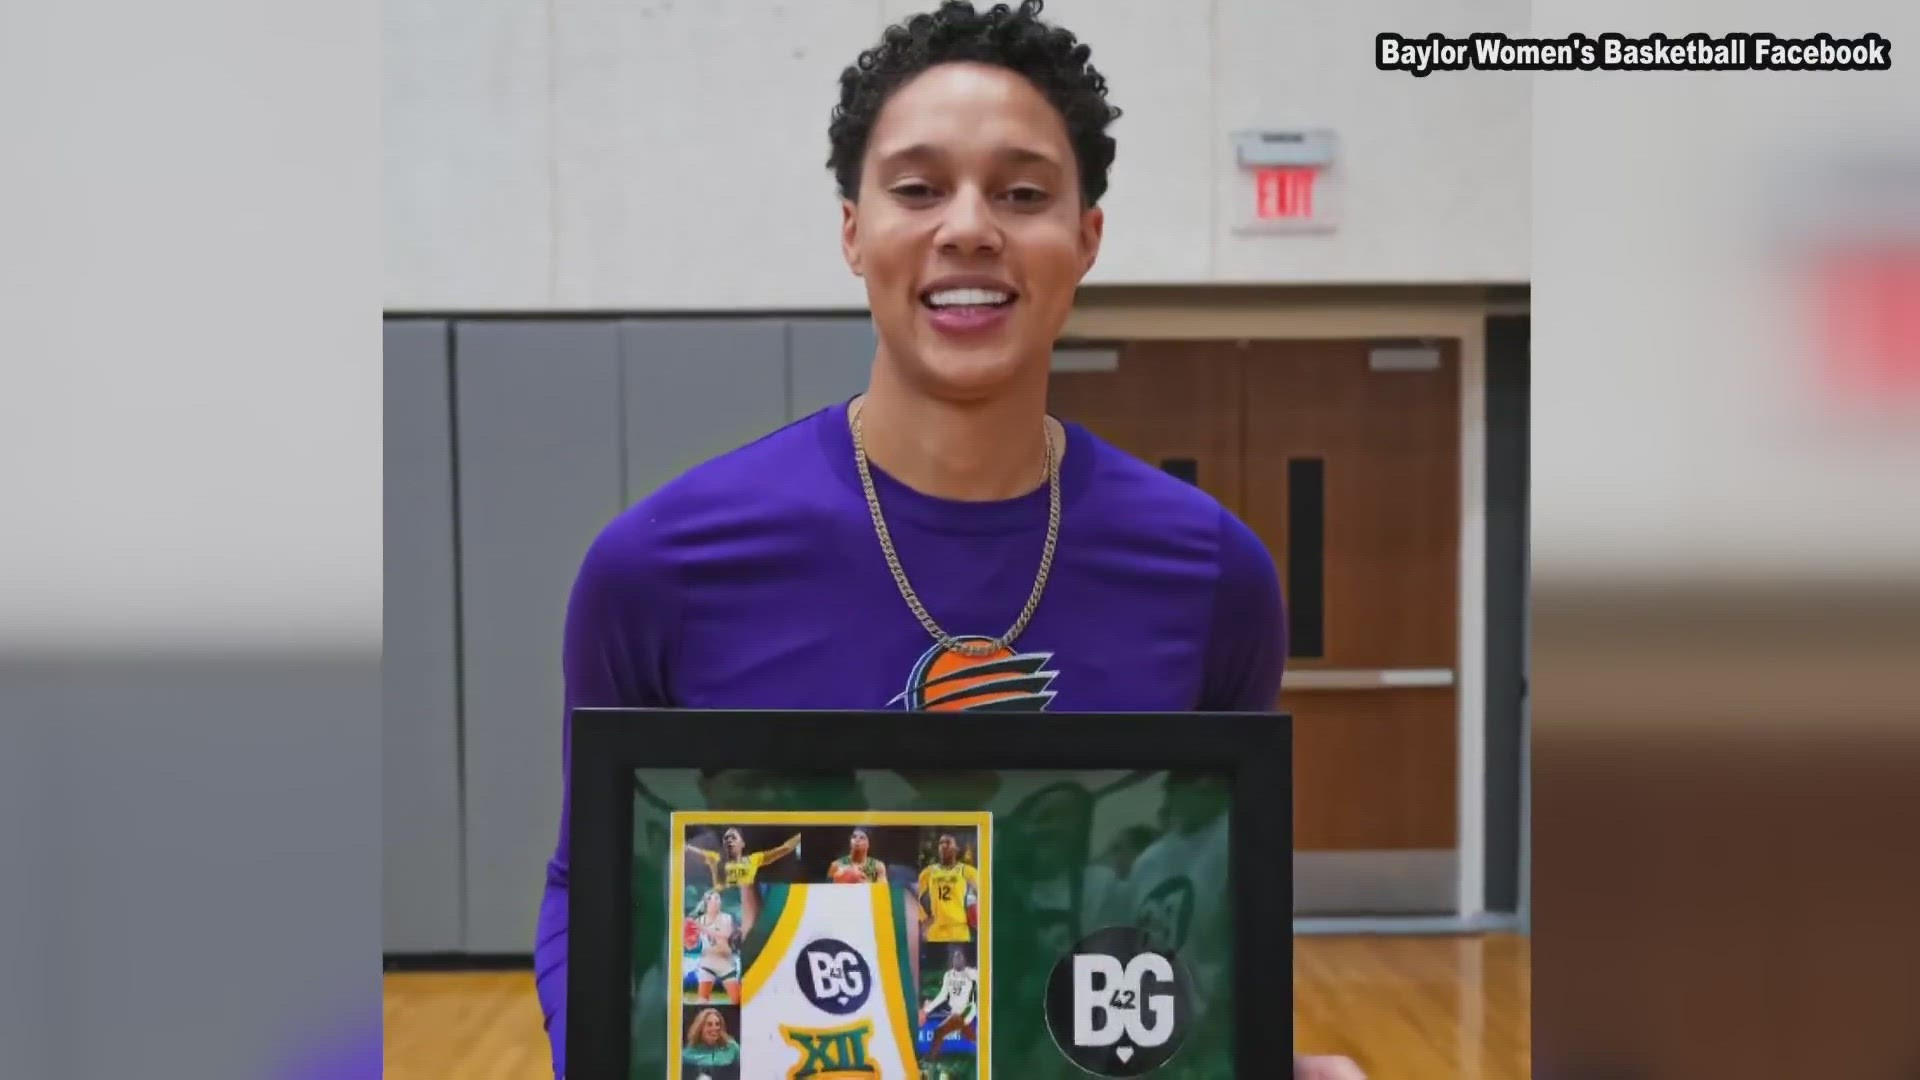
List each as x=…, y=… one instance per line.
x=1116, y=1007
x=833, y=975
x=1110, y=1000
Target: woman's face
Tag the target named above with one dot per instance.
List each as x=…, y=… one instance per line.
x=969, y=183
x=714, y=1030
x=734, y=843
x=858, y=846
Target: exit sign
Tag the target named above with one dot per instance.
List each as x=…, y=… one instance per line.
x=1287, y=180
x=1866, y=304
x=1845, y=225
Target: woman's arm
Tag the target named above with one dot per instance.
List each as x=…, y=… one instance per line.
x=612, y=655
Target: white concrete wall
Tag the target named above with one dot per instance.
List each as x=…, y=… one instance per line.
x=1683, y=418
x=670, y=154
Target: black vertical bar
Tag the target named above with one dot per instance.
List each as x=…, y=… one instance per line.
x=1306, y=557
x=1508, y=390
x=786, y=367
x=599, y=907
x=620, y=364
x=451, y=343
x=1261, y=891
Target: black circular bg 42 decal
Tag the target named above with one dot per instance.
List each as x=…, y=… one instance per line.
x=833, y=975
x=1116, y=1006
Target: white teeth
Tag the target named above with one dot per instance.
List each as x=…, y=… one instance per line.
x=967, y=297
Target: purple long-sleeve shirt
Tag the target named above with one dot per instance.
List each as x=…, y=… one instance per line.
x=756, y=581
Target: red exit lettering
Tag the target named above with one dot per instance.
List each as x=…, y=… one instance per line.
x=1284, y=193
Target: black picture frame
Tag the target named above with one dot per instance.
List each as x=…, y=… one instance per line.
x=1253, y=750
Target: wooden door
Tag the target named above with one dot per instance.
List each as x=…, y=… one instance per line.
x=1351, y=476
x=1173, y=403
x=1352, y=479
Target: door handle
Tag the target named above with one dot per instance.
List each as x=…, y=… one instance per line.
x=1366, y=678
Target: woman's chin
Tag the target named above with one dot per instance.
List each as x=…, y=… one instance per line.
x=972, y=372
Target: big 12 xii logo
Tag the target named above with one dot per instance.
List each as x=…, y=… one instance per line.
x=836, y=979
x=1117, y=1007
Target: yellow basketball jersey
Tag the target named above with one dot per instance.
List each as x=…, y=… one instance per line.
x=736, y=871
x=743, y=871
x=946, y=893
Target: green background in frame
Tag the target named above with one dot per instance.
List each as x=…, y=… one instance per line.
x=1072, y=851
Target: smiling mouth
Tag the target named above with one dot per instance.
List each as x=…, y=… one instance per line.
x=940, y=299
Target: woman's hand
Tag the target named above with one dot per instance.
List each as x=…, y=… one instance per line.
x=1326, y=1068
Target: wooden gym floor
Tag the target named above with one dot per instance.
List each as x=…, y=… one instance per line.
x=1419, y=1008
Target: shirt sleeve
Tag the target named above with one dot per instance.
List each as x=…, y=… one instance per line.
x=614, y=654
x=1247, y=644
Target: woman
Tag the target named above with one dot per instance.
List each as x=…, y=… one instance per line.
x=734, y=868
x=857, y=866
x=719, y=961
x=710, y=1051
x=899, y=547
x=958, y=989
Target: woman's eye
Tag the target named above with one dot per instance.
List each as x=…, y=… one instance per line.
x=1027, y=196
x=914, y=190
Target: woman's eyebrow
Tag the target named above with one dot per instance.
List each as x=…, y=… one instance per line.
x=929, y=152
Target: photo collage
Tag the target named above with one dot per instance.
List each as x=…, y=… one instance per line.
x=815, y=944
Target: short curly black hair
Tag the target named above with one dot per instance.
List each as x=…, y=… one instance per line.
x=1049, y=57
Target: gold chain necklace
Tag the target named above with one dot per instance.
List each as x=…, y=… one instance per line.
x=948, y=641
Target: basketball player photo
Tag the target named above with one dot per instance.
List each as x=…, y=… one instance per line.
x=736, y=872
x=948, y=889
x=947, y=1020
x=858, y=866
x=732, y=866
x=715, y=933
x=840, y=973
x=711, y=1052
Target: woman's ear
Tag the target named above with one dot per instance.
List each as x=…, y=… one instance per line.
x=850, y=234
x=1093, y=225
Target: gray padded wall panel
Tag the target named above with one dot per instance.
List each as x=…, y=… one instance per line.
x=696, y=388
x=828, y=361
x=540, y=463
x=419, y=671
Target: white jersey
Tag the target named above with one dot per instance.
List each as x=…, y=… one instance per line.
x=956, y=991
x=827, y=995
x=716, y=945
x=1178, y=896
